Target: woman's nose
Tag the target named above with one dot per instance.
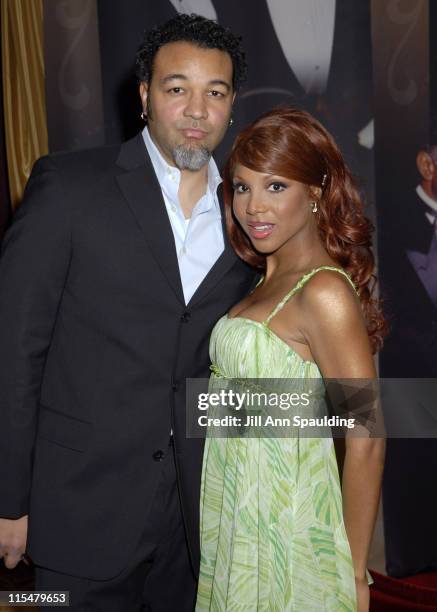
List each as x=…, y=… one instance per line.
x=255, y=204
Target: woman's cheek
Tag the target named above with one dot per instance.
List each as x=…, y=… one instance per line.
x=238, y=209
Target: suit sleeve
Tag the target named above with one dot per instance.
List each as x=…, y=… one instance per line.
x=34, y=265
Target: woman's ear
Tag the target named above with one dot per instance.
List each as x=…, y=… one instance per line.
x=315, y=193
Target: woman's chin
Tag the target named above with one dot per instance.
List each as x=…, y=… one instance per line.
x=263, y=247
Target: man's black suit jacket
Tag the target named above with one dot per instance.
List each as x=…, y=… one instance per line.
x=95, y=345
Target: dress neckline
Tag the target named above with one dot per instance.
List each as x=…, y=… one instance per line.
x=275, y=336
x=298, y=285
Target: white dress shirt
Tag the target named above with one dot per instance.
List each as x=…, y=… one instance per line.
x=198, y=240
x=432, y=204
x=305, y=31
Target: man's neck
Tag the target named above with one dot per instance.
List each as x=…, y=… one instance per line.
x=192, y=187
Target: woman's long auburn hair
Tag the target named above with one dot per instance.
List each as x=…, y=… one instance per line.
x=290, y=142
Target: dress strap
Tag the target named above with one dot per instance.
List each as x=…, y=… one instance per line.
x=300, y=283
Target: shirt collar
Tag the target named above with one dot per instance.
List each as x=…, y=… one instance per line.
x=426, y=198
x=164, y=171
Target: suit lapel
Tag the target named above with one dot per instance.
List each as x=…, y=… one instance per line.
x=421, y=230
x=144, y=197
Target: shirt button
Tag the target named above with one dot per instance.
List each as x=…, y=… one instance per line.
x=158, y=455
x=184, y=250
x=173, y=208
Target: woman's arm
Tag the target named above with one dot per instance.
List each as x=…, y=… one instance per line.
x=335, y=331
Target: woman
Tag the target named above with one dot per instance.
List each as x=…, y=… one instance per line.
x=277, y=532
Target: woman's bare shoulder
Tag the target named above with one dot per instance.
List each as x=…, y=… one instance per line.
x=329, y=298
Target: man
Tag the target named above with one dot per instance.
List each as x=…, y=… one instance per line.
x=113, y=273
x=423, y=257
x=414, y=312
x=411, y=352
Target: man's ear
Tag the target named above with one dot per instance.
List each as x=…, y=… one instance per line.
x=144, y=92
x=425, y=165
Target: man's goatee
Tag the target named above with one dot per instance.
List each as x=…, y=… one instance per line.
x=190, y=158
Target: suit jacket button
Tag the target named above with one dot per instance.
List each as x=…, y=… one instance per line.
x=158, y=455
x=185, y=317
x=175, y=386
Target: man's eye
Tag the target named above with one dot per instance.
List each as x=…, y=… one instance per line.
x=240, y=188
x=176, y=90
x=277, y=187
x=216, y=94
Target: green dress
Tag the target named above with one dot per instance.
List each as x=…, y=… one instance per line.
x=271, y=523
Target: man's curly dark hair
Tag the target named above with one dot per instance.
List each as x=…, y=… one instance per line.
x=197, y=30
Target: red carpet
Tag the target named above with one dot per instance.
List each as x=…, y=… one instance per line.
x=410, y=593
x=386, y=594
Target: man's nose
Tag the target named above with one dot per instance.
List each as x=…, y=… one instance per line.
x=196, y=107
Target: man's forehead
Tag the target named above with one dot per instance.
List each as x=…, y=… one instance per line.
x=182, y=53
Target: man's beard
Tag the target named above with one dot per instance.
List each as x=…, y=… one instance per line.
x=190, y=158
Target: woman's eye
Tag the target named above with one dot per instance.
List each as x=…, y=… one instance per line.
x=277, y=187
x=240, y=188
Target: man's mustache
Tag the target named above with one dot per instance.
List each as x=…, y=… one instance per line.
x=194, y=126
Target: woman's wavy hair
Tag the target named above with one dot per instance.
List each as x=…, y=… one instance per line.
x=291, y=143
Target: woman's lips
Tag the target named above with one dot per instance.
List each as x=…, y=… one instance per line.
x=260, y=230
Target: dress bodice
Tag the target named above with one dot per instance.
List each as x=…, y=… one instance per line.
x=244, y=348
